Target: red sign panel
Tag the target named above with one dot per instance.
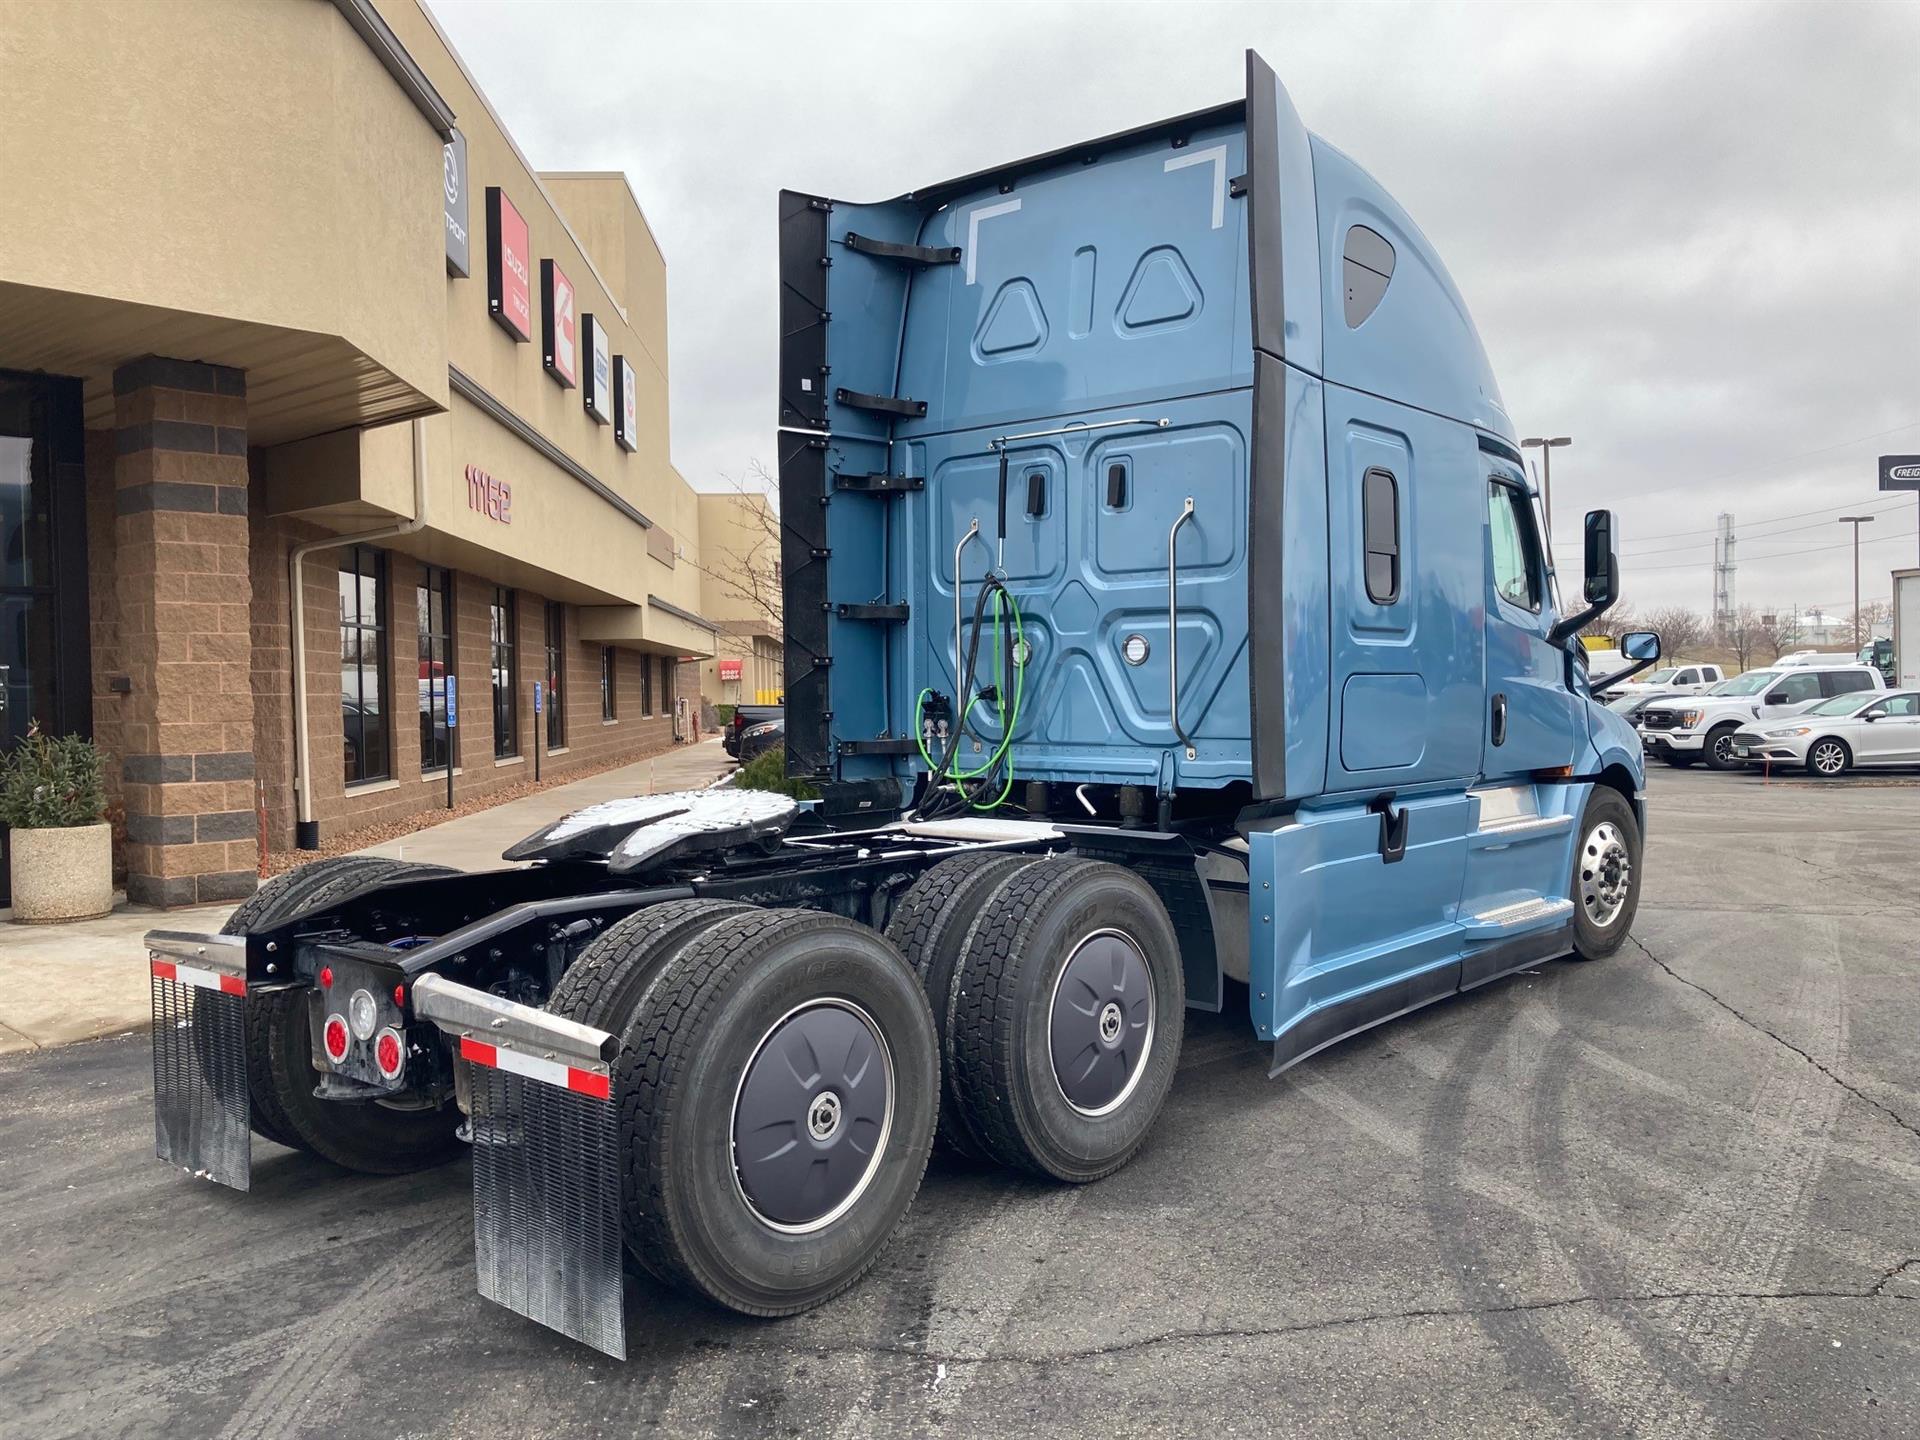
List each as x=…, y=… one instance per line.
x=559, y=325
x=509, y=270
x=492, y=498
x=730, y=669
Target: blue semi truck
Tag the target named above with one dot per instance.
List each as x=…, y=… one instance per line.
x=1169, y=623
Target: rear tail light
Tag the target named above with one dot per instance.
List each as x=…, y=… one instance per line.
x=389, y=1055
x=334, y=1036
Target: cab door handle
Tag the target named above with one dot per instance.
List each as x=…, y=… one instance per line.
x=1500, y=719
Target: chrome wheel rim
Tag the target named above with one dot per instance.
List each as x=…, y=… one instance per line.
x=1827, y=758
x=811, y=1116
x=1100, y=1023
x=1606, y=874
x=1723, y=748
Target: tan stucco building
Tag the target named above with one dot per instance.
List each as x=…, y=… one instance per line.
x=279, y=296
x=740, y=593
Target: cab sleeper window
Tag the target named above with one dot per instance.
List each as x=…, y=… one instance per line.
x=1516, y=549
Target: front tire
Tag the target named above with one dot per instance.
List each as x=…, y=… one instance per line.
x=1606, y=875
x=777, y=1099
x=1718, y=751
x=1828, y=759
x=1067, y=1019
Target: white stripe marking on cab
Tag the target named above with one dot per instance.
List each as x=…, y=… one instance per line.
x=1215, y=155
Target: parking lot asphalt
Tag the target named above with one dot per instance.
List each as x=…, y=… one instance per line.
x=1674, y=1193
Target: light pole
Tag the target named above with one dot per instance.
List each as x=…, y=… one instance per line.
x=1856, y=521
x=1546, y=448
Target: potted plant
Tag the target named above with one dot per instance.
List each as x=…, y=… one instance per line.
x=52, y=798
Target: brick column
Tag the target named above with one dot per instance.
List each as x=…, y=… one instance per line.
x=180, y=533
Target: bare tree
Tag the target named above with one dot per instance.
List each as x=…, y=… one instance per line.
x=1746, y=632
x=1874, y=612
x=1680, y=629
x=1611, y=623
x=745, y=561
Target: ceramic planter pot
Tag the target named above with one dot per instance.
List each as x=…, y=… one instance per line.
x=62, y=874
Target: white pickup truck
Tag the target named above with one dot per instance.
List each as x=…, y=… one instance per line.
x=1672, y=680
x=1701, y=727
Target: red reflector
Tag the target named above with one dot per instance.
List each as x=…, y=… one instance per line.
x=588, y=1083
x=386, y=1053
x=334, y=1035
x=164, y=969
x=400, y=996
x=232, y=985
x=326, y=977
x=478, y=1053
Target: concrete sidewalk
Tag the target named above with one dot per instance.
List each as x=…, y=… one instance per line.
x=61, y=983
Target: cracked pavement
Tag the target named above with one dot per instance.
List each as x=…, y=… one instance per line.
x=1674, y=1193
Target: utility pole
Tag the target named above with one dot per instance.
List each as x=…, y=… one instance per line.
x=1546, y=448
x=1856, y=521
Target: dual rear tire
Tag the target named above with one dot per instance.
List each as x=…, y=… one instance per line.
x=780, y=1071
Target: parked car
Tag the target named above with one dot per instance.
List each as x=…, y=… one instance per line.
x=761, y=737
x=1702, y=727
x=1862, y=729
x=1673, y=680
x=744, y=718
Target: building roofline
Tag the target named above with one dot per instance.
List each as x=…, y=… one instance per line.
x=625, y=180
x=520, y=155
x=368, y=24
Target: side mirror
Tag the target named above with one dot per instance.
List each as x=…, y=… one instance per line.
x=1640, y=645
x=1603, y=582
x=1871, y=715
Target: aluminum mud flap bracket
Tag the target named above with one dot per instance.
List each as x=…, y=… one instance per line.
x=546, y=1160
x=202, y=1116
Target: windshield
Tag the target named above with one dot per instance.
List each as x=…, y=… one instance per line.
x=1721, y=687
x=1842, y=704
x=1751, y=683
x=1625, y=703
x=1661, y=677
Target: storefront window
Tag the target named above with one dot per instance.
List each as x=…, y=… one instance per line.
x=435, y=602
x=506, y=674
x=556, y=671
x=666, y=685
x=607, y=701
x=363, y=665
x=646, y=685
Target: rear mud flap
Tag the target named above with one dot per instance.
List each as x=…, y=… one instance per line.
x=202, y=1115
x=546, y=1161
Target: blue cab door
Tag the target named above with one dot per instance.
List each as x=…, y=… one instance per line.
x=1532, y=721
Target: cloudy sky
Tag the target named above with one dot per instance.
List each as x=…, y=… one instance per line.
x=1689, y=233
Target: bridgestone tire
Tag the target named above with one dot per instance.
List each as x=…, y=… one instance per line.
x=1711, y=751
x=609, y=984
x=930, y=927
x=279, y=1046
x=1016, y=954
x=681, y=1072
x=1591, y=941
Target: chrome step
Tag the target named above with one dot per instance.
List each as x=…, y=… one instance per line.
x=1536, y=913
x=1523, y=825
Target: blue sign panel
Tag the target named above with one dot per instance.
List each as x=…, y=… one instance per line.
x=453, y=703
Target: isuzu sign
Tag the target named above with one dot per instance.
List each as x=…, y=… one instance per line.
x=559, y=325
x=1900, y=472
x=453, y=183
x=598, y=391
x=626, y=405
x=509, y=271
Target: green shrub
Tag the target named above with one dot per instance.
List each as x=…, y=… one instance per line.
x=51, y=782
x=768, y=771
x=723, y=714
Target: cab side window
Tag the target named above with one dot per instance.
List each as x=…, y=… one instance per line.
x=1516, y=549
x=1844, y=682
x=1795, y=689
x=1904, y=707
